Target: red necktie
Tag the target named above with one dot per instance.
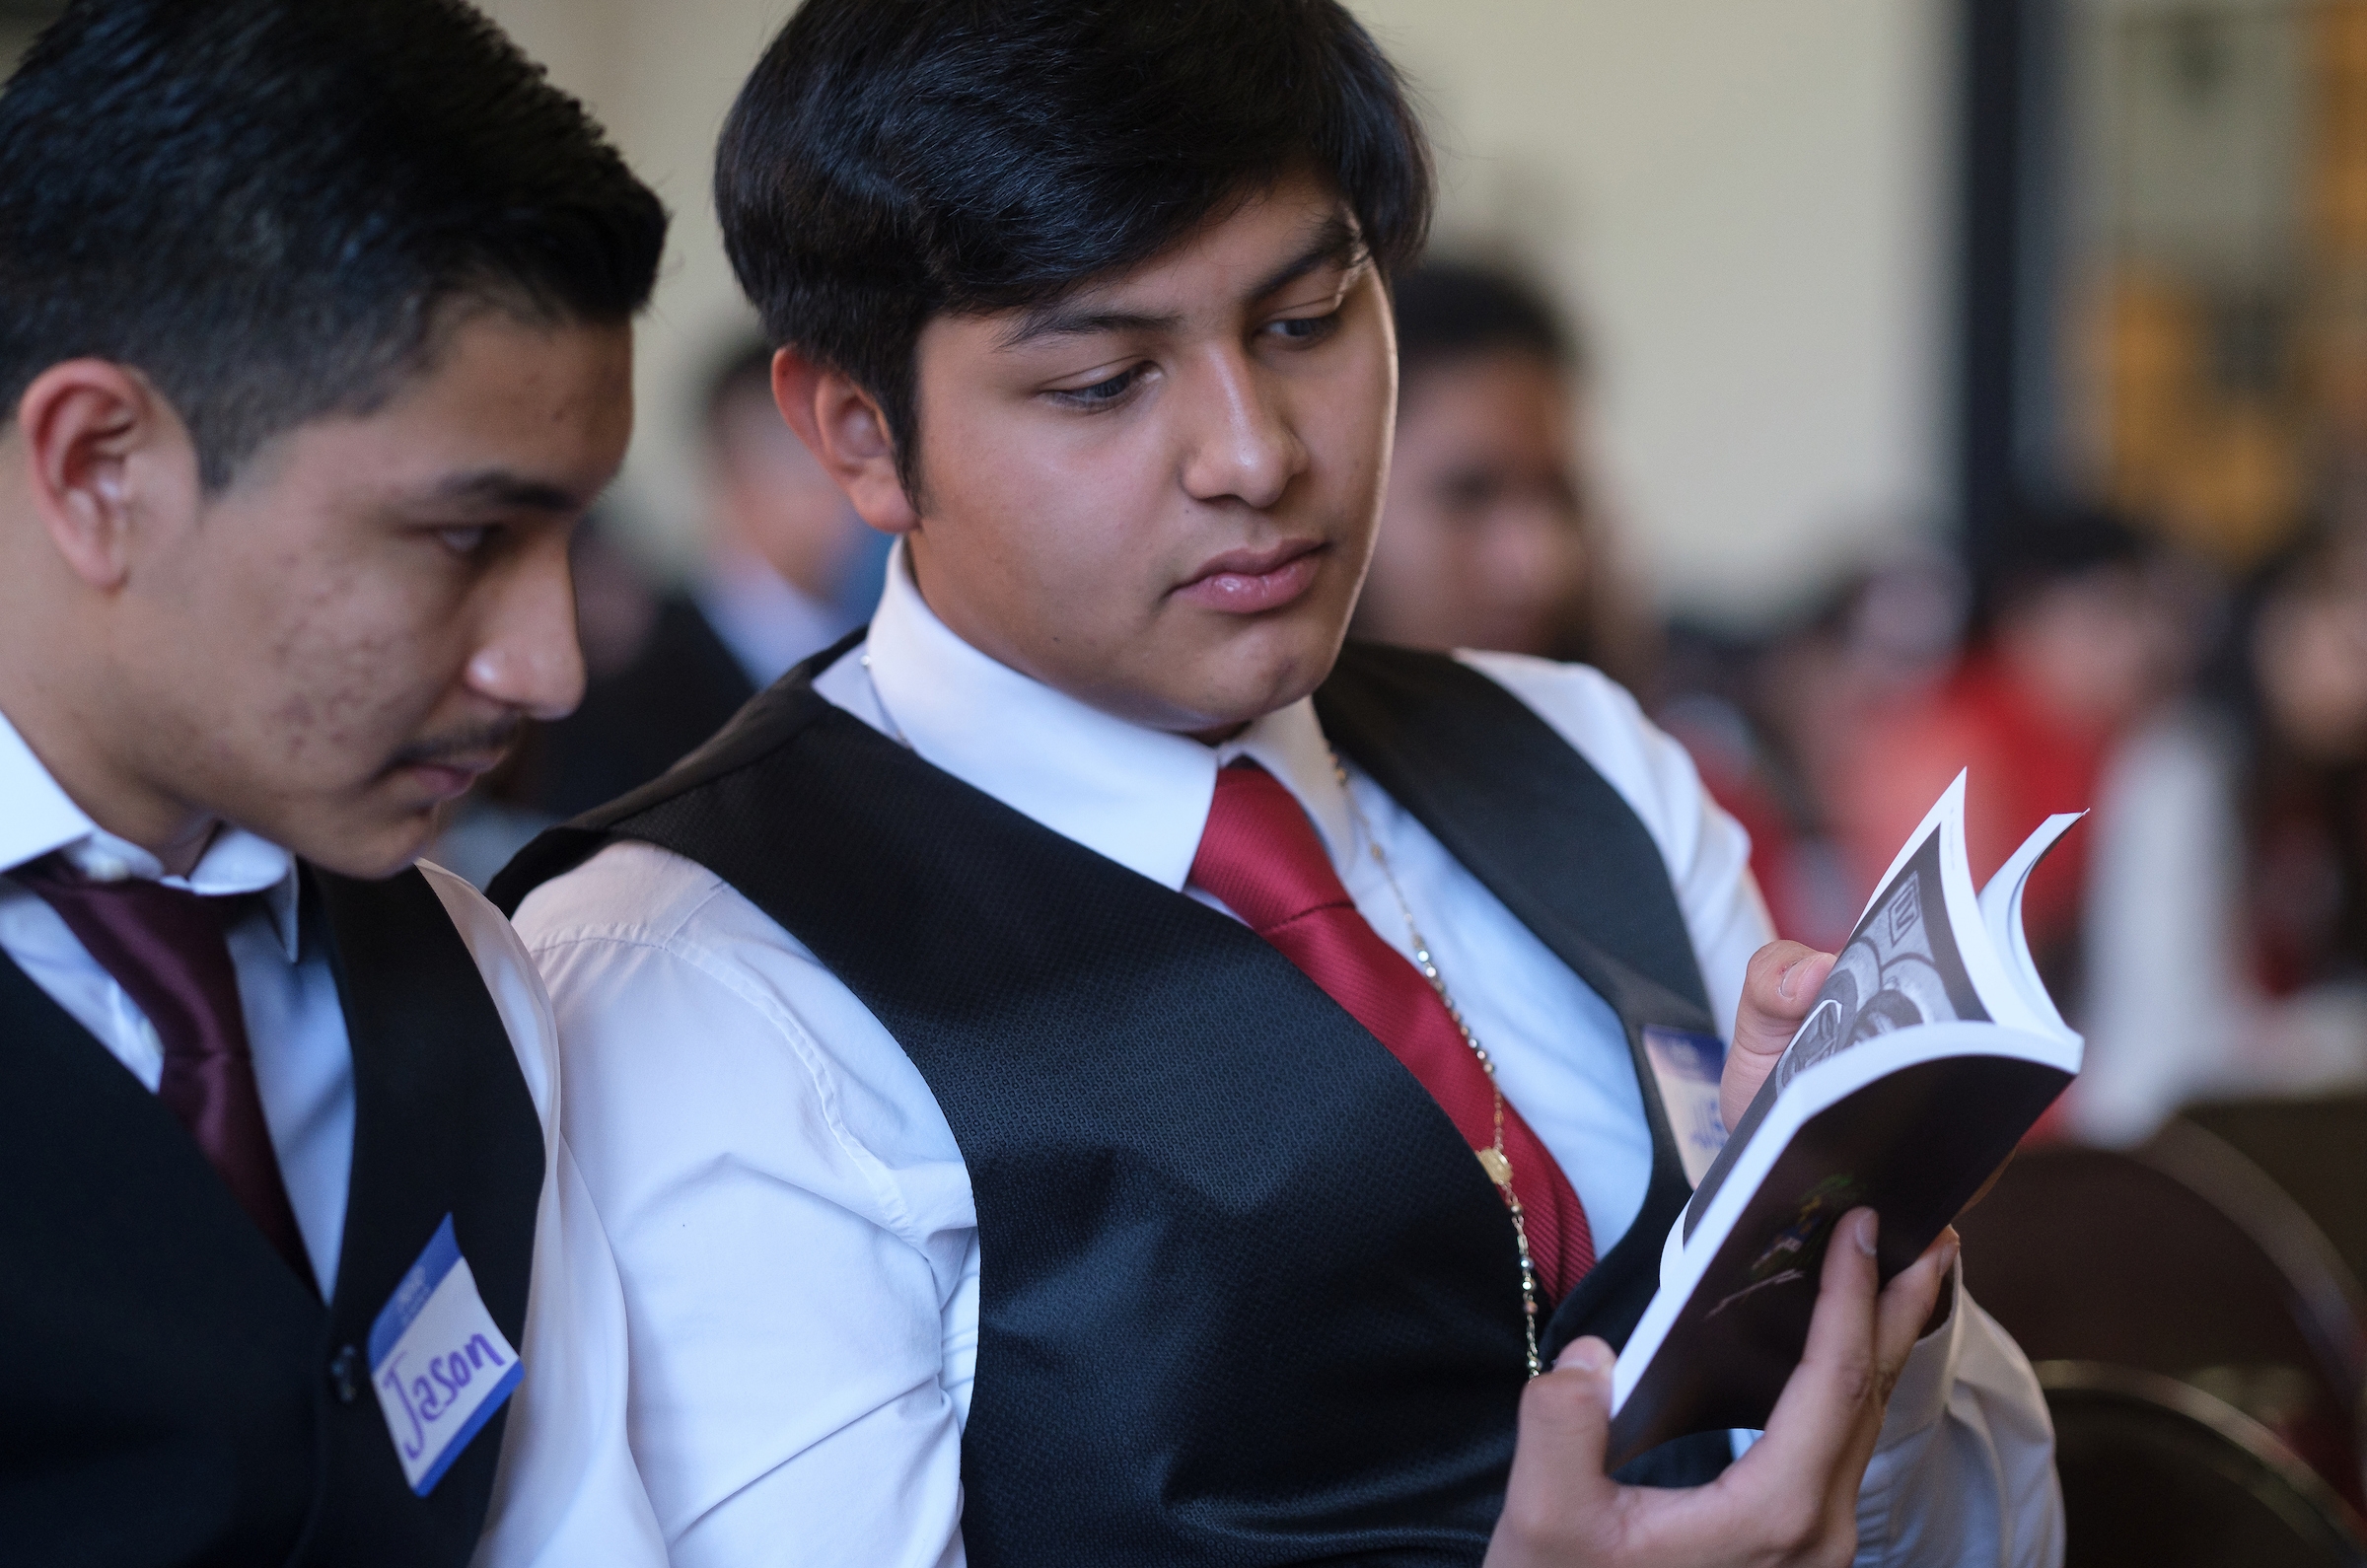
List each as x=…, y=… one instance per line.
x=169, y=949
x=1260, y=855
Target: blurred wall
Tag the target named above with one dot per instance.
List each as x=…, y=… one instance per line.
x=1748, y=201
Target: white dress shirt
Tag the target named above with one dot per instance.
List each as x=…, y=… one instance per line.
x=791, y=1215
x=564, y=1419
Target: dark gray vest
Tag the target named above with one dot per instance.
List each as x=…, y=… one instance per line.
x=1246, y=1298
x=171, y=1392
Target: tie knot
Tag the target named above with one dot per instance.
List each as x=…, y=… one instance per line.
x=1261, y=854
x=166, y=946
x=170, y=914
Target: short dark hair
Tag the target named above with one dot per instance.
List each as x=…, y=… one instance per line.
x=2041, y=545
x=263, y=205
x=892, y=161
x=1451, y=310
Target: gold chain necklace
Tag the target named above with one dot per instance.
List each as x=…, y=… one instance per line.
x=1495, y=1160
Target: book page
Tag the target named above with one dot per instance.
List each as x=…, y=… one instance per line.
x=2001, y=913
x=1901, y=966
x=1904, y=966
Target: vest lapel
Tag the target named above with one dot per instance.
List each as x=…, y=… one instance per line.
x=1528, y=815
x=443, y=1124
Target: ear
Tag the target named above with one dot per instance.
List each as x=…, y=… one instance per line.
x=104, y=454
x=841, y=425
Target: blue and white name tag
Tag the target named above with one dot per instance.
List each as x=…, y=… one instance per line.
x=439, y=1363
x=1688, y=1067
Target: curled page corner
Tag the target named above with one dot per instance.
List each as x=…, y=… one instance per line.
x=2001, y=916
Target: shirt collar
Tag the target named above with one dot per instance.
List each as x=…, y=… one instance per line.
x=38, y=817
x=1133, y=794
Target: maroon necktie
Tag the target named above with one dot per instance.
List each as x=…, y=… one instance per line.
x=168, y=949
x=1260, y=855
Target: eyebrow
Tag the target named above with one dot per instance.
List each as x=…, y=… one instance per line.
x=1335, y=243
x=500, y=490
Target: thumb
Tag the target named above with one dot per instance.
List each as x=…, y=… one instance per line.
x=1779, y=989
x=1557, y=1485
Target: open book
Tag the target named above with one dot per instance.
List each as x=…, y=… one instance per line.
x=1928, y=1054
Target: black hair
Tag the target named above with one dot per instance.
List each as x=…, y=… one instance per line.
x=2043, y=544
x=892, y=161
x=265, y=206
x=1452, y=310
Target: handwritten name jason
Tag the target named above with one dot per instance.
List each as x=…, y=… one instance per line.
x=432, y=1393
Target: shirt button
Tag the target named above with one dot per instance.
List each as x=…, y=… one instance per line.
x=345, y=1373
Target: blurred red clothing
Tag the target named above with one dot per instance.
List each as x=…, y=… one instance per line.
x=2025, y=763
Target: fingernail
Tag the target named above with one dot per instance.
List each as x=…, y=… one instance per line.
x=1783, y=983
x=1867, y=1229
x=1947, y=1254
x=1585, y=1355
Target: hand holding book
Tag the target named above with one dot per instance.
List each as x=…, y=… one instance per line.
x=1927, y=1049
x=1791, y=1499
x=1871, y=1093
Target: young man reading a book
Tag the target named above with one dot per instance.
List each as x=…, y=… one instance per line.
x=316, y=339
x=1089, y=1072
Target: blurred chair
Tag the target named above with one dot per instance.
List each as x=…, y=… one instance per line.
x=2310, y=1148
x=2183, y=1260
x=2161, y=1474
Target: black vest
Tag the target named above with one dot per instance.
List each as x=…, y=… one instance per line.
x=171, y=1392
x=1245, y=1297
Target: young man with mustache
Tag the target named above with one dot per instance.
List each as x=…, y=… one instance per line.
x=1000, y=1059
x=315, y=343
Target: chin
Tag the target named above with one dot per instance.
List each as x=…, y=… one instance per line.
x=374, y=849
x=1268, y=671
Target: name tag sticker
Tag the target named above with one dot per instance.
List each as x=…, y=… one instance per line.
x=439, y=1363
x=1688, y=1067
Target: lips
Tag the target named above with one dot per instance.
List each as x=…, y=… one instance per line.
x=450, y=778
x=1253, y=582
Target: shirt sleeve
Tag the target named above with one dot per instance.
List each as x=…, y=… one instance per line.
x=1964, y=1470
x=566, y=1490
x=784, y=1283
x=1963, y=1475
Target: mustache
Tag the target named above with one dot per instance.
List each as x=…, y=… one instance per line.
x=494, y=736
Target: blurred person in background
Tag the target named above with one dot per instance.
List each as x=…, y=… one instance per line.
x=1492, y=536
x=2228, y=916
x=2079, y=639
x=1771, y=720
x=2227, y=926
x=2305, y=797
x=788, y=569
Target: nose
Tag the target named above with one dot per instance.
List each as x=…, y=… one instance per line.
x=1243, y=444
x=530, y=660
